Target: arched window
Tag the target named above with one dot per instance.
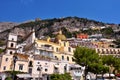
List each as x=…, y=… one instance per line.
x=56, y=57
x=73, y=59
x=6, y=59
x=30, y=64
x=64, y=43
x=12, y=44
x=62, y=57
x=56, y=49
x=67, y=58
x=69, y=49
x=11, y=52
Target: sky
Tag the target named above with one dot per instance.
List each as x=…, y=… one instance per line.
x=107, y=11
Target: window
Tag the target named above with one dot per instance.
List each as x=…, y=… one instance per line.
x=69, y=49
x=20, y=66
x=30, y=64
x=46, y=70
x=6, y=59
x=57, y=49
x=65, y=68
x=98, y=50
x=67, y=58
x=73, y=59
x=64, y=44
x=12, y=39
x=56, y=57
x=30, y=70
x=10, y=52
x=4, y=68
x=52, y=48
x=45, y=63
x=38, y=62
x=12, y=44
x=62, y=57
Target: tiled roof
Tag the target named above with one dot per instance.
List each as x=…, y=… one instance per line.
x=21, y=56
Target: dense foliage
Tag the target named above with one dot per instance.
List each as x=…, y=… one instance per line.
x=117, y=43
x=8, y=78
x=95, y=63
x=65, y=76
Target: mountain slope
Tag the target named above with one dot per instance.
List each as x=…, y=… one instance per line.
x=49, y=27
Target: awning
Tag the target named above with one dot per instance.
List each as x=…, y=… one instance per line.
x=118, y=75
x=57, y=66
x=107, y=75
x=77, y=74
x=24, y=75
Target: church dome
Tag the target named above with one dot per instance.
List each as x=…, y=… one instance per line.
x=60, y=36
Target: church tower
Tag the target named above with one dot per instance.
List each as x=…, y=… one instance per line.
x=11, y=43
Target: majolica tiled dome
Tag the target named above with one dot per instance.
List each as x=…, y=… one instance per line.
x=60, y=36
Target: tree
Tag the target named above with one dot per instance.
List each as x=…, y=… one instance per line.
x=90, y=59
x=117, y=42
x=112, y=62
x=8, y=78
x=85, y=55
x=65, y=76
x=107, y=32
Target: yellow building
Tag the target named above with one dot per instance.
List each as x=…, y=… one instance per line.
x=58, y=49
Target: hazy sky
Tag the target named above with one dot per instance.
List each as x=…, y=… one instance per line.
x=23, y=10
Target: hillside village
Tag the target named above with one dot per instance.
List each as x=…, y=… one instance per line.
x=31, y=51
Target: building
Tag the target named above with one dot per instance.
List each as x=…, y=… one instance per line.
x=108, y=51
x=38, y=58
x=82, y=36
x=11, y=44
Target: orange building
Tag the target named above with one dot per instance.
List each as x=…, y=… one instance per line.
x=82, y=36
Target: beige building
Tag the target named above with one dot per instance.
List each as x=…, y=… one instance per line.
x=108, y=51
x=5, y=62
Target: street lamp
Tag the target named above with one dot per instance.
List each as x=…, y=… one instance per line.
x=14, y=62
x=39, y=69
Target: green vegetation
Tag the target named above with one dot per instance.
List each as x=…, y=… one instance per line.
x=2, y=42
x=66, y=32
x=112, y=62
x=117, y=42
x=1, y=50
x=107, y=32
x=95, y=63
x=8, y=78
x=65, y=76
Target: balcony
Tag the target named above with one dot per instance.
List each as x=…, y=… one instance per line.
x=46, y=49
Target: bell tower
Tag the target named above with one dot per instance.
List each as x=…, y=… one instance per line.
x=11, y=43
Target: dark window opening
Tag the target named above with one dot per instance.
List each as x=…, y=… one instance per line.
x=6, y=59
x=30, y=64
x=67, y=58
x=11, y=52
x=46, y=70
x=12, y=44
x=62, y=57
